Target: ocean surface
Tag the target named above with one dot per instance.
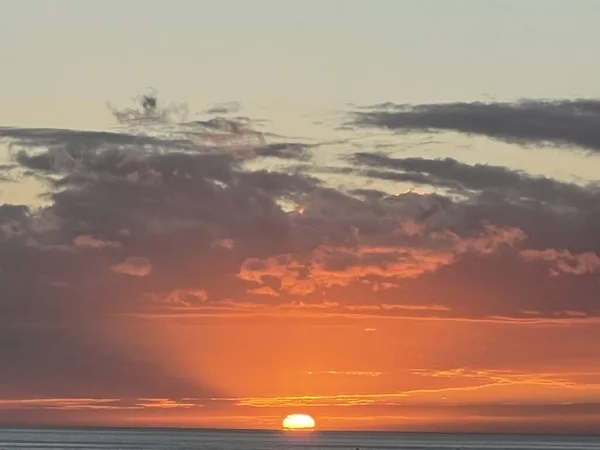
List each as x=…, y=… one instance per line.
x=153, y=439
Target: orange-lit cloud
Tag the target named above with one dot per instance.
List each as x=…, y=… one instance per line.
x=350, y=373
x=565, y=262
x=329, y=266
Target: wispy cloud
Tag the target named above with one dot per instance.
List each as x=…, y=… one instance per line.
x=572, y=123
x=134, y=266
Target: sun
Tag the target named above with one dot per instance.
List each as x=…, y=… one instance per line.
x=298, y=422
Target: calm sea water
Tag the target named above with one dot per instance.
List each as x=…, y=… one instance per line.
x=154, y=439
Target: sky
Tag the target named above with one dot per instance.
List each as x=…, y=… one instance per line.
x=382, y=214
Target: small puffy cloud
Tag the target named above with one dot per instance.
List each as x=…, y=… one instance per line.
x=565, y=262
x=224, y=108
x=226, y=243
x=185, y=297
x=134, y=265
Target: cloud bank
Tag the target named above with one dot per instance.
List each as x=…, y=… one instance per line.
x=170, y=218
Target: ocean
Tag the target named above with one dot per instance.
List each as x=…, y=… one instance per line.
x=169, y=439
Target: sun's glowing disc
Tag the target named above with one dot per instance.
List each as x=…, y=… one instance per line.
x=298, y=422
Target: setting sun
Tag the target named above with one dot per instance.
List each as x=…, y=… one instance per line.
x=298, y=422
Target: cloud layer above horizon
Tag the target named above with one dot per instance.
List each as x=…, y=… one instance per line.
x=167, y=219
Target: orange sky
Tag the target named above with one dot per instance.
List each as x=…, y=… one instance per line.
x=350, y=373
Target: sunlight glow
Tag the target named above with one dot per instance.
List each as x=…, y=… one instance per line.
x=298, y=422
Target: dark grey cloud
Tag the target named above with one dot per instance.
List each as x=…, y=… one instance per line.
x=574, y=123
x=286, y=151
x=7, y=173
x=169, y=208
x=81, y=140
x=132, y=217
x=166, y=208
x=148, y=110
x=552, y=213
x=450, y=173
x=224, y=108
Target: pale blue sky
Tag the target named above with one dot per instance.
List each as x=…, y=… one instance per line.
x=61, y=61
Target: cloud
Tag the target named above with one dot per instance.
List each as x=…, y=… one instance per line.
x=563, y=261
x=552, y=213
x=226, y=243
x=286, y=151
x=349, y=373
x=224, y=108
x=90, y=242
x=141, y=192
x=343, y=265
x=187, y=297
x=177, y=210
x=134, y=265
x=173, y=219
x=463, y=178
x=573, y=123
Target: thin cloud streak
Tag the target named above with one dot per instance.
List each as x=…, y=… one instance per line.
x=564, y=123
